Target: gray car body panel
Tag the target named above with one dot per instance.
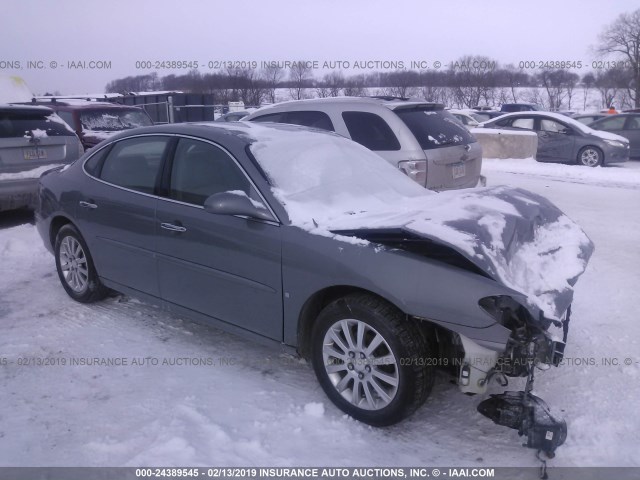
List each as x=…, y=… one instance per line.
x=308, y=263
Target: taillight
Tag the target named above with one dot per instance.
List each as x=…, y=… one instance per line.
x=416, y=170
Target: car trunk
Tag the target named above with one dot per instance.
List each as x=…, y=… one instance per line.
x=454, y=156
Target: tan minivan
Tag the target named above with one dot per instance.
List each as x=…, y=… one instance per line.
x=420, y=138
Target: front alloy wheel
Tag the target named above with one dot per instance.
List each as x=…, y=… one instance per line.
x=370, y=359
x=590, y=157
x=360, y=364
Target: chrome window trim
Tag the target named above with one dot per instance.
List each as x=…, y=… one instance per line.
x=275, y=222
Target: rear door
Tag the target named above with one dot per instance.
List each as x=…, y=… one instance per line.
x=117, y=210
x=223, y=266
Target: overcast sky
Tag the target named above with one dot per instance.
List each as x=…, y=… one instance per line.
x=125, y=31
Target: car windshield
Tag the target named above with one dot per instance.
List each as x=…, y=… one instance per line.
x=313, y=173
x=434, y=129
x=114, y=119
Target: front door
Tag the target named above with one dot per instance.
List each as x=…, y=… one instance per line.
x=224, y=266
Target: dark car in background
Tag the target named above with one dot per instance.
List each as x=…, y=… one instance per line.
x=519, y=107
x=589, y=118
x=32, y=140
x=624, y=124
x=97, y=121
x=565, y=140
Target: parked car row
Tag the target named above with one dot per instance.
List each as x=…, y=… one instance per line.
x=52, y=132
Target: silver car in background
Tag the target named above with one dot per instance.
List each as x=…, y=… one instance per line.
x=32, y=140
x=422, y=139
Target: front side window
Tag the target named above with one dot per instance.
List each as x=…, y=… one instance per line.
x=523, y=123
x=200, y=170
x=135, y=163
x=371, y=131
x=551, y=126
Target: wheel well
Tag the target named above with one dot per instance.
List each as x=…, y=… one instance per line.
x=314, y=305
x=56, y=224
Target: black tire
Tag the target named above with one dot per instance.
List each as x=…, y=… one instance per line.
x=590, y=156
x=87, y=291
x=412, y=371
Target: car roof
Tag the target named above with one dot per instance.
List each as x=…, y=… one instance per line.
x=247, y=132
x=75, y=103
x=389, y=102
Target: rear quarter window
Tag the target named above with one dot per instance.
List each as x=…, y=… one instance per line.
x=371, y=131
x=435, y=129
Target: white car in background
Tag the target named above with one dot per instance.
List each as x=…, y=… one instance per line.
x=465, y=118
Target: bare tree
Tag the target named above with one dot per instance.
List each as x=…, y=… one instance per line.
x=472, y=77
x=621, y=39
x=300, y=77
x=272, y=75
x=588, y=82
x=334, y=82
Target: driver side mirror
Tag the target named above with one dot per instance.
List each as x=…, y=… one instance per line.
x=236, y=203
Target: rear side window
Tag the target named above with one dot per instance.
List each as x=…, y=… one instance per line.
x=309, y=119
x=371, y=131
x=613, y=123
x=633, y=123
x=135, y=163
x=67, y=117
x=435, y=129
x=25, y=124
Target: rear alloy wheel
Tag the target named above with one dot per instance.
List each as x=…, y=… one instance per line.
x=590, y=157
x=75, y=267
x=371, y=360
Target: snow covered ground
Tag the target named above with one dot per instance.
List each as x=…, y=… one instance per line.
x=224, y=401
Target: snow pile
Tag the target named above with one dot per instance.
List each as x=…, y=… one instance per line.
x=327, y=183
x=615, y=174
x=33, y=173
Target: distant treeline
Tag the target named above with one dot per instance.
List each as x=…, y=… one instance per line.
x=470, y=81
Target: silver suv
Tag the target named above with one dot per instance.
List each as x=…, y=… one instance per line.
x=32, y=140
x=422, y=139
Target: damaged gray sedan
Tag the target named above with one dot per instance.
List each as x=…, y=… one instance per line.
x=303, y=238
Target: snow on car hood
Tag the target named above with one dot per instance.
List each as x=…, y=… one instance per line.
x=518, y=238
x=328, y=184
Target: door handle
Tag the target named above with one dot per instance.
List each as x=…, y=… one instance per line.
x=172, y=228
x=84, y=204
